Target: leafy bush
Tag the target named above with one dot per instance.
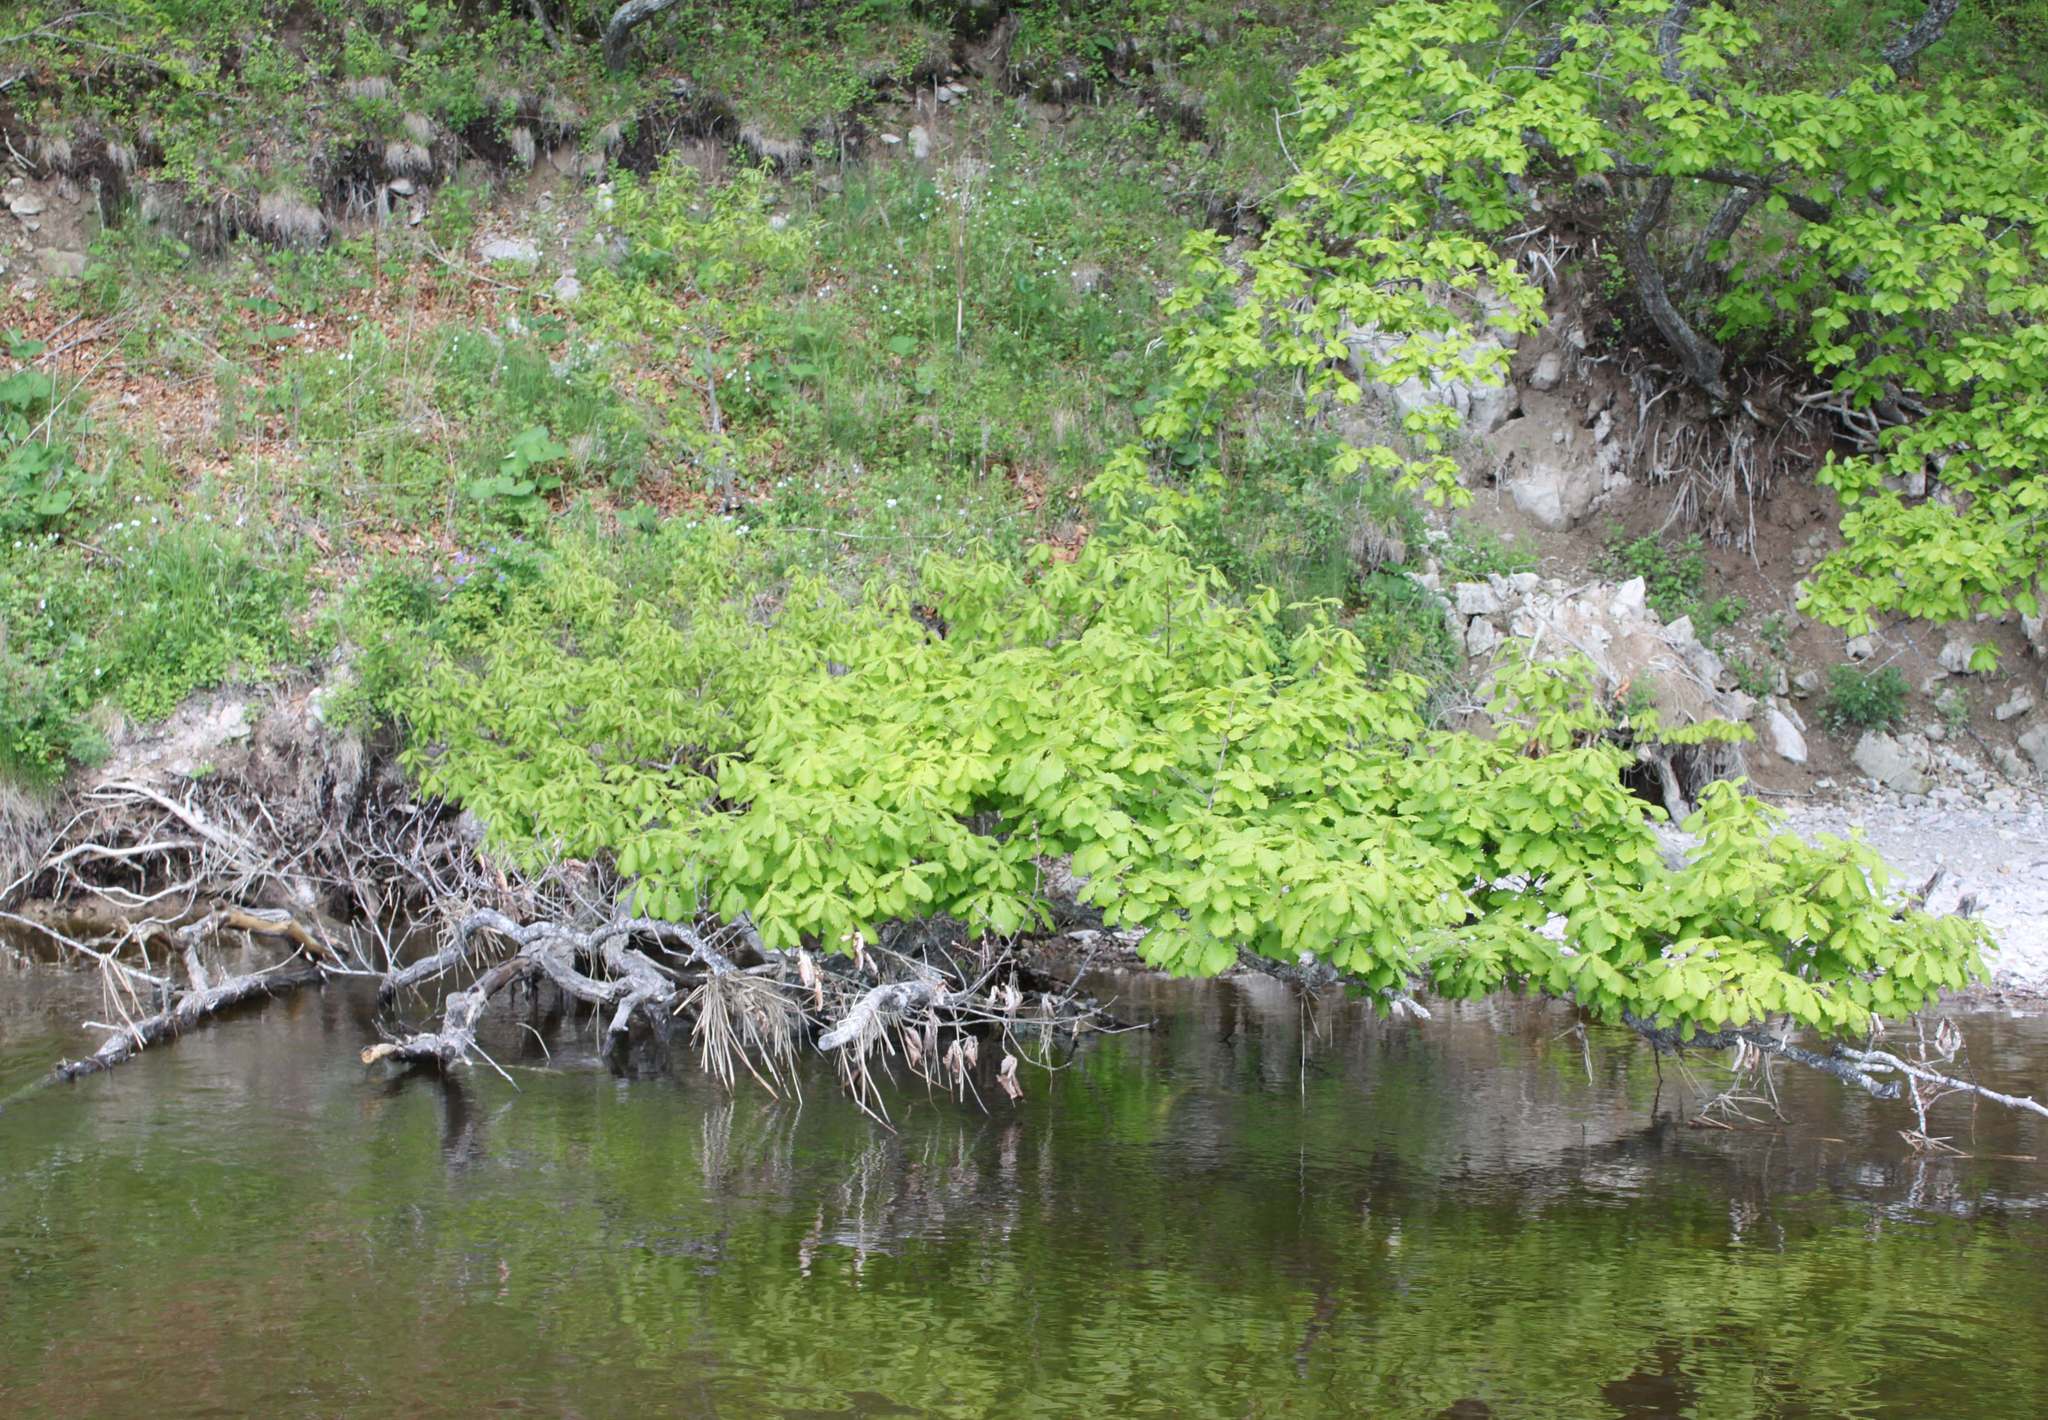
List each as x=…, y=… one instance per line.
x=1857, y=699
x=39, y=482
x=744, y=737
x=41, y=734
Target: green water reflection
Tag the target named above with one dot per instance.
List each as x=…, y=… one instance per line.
x=1438, y=1219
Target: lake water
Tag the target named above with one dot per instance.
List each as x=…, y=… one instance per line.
x=1240, y=1212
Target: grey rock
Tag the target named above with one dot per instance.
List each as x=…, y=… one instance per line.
x=568, y=288
x=61, y=265
x=401, y=187
x=2034, y=744
x=920, y=142
x=2020, y=702
x=1955, y=655
x=1549, y=371
x=1806, y=683
x=1477, y=599
x=1525, y=583
x=1481, y=637
x=1860, y=648
x=517, y=250
x=1630, y=600
x=1559, y=496
x=1482, y=406
x=1886, y=760
x=26, y=205
x=1783, y=736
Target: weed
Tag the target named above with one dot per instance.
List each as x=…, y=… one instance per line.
x=1864, y=700
x=1674, y=575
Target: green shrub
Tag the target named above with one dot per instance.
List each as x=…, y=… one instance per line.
x=1674, y=574
x=746, y=736
x=1864, y=700
x=41, y=734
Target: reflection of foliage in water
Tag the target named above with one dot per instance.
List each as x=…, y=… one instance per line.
x=1176, y=1224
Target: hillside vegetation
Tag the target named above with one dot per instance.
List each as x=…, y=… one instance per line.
x=830, y=463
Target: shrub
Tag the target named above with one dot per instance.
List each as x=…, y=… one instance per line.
x=1864, y=700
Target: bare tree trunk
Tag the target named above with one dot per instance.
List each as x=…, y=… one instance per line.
x=1700, y=356
x=619, y=29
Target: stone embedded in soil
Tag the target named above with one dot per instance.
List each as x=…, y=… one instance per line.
x=1479, y=599
x=1806, y=683
x=1549, y=371
x=25, y=205
x=1956, y=653
x=2021, y=702
x=568, y=288
x=1783, y=736
x=511, y=249
x=2034, y=743
x=1886, y=760
x=67, y=265
x=1860, y=648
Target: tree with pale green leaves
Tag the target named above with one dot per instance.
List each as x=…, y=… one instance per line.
x=1887, y=219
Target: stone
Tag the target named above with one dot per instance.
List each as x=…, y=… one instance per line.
x=1956, y=653
x=2034, y=744
x=1549, y=371
x=61, y=265
x=2036, y=629
x=1806, y=683
x=1482, y=405
x=567, y=288
x=1477, y=599
x=1680, y=632
x=517, y=250
x=892, y=140
x=1481, y=637
x=2020, y=702
x=1886, y=760
x=920, y=142
x=1525, y=583
x=1559, y=496
x=1860, y=648
x=26, y=205
x=401, y=187
x=1630, y=600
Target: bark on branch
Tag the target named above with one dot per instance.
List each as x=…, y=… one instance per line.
x=1904, y=52
x=618, y=30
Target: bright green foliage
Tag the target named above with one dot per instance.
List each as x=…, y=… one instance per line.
x=830, y=763
x=1897, y=235
x=39, y=482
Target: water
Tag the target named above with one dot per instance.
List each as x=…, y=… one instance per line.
x=1443, y=1219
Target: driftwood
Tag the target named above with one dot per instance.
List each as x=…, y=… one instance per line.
x=204, y=997
x=193, y=1007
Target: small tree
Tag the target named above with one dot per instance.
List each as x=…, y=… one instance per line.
x=1895, y=226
